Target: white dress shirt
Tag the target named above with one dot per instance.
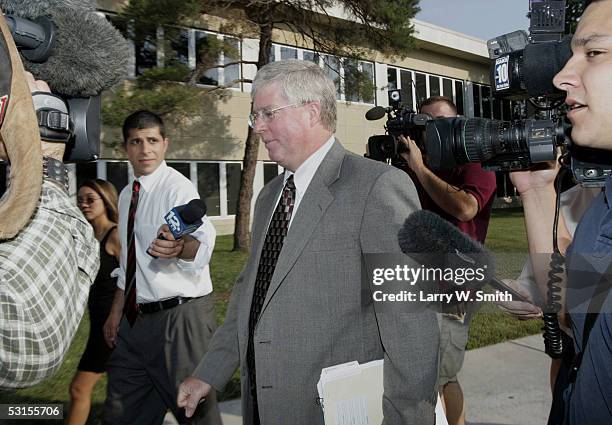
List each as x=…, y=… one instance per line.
x=304, y=174
x=157, y=278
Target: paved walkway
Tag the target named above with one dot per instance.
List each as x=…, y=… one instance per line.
x=504, y=384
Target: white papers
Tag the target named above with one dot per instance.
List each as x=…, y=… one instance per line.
x=351, y=394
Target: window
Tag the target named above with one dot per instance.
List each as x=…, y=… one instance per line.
x=407, y=90
x=208, y=187
x=434, y=86
x=86, y=171
x=415, y=88
x=270, y=171
x=288, y=53
x=486, y=101
x=354, y=79
x=179, y=46
x=181, y=167
x=311, y=56
x=476, y=94
x=447, y=88
x=232, y=170
x=358, y=78
x=146, y=53
x=484, y=104
x=231, y=73
x=459, y=97
x=117, y=173
x=331, y=66
x=421, y=88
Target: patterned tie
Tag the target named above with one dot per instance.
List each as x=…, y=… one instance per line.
x=267, y=263
x=130, y=309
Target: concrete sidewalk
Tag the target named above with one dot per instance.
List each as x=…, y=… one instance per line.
x=507, y=384
x=503, y=384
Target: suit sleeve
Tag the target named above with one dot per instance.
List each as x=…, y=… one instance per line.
x=223, y=356
x=410, y=340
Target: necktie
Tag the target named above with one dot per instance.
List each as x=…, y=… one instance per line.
x=272, y=247
x=129, y=307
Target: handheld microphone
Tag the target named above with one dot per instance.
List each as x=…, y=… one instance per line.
x=74, y=49
x=425, y=232
x=184, y=219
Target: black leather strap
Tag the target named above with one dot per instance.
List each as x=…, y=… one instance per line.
x=55, y=171
x=53, y=117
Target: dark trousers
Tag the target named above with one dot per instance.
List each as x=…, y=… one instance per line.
x=151, y=360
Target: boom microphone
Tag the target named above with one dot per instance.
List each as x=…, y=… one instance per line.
x=425, y=232
x=88, y=54
x=376, y=113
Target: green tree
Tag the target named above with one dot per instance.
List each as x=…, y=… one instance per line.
x=381, y=25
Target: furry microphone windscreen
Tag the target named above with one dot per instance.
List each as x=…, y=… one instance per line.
x=425, y=232
x=90, y=54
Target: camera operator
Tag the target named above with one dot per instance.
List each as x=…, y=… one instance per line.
x=463, y=196
x=46, y=268
x=585, y=79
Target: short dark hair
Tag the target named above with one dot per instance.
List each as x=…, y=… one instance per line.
x=436, y=99
x=142, y=119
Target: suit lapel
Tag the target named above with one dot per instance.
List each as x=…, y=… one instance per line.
x=312, y=207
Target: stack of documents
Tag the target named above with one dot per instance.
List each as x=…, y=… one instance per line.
x=351, y=394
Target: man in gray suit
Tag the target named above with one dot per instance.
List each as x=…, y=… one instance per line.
x=298, y=305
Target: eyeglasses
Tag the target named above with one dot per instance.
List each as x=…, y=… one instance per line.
x=268, y=115
x=87, y=201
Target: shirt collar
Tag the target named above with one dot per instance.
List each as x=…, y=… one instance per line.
x=306, y=171
x=148, y=182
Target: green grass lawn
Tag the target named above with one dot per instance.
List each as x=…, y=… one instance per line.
x=506, y=238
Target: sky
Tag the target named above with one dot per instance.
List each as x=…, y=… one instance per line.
x=484, y=19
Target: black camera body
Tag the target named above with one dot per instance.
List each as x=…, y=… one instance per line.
x=400, y=121
x=523, y=67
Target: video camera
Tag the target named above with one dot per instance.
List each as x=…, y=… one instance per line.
x=400, y=121
x=523, y=68
x=80, y=128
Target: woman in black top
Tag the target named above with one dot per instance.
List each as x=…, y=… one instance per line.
x=97, y=199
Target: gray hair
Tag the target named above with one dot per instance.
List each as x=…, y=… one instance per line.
x=301, y=82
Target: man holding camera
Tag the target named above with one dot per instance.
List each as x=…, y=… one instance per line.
x=48, y=254
x=463, y=196
x=586, y=80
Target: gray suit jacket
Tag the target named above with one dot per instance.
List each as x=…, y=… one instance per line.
x=314, y=315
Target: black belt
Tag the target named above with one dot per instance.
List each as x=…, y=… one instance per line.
x=154, y=307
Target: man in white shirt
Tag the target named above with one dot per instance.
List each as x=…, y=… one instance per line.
x=164, y=289
x=300, y=304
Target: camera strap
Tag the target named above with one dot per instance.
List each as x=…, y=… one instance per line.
x=53, y=117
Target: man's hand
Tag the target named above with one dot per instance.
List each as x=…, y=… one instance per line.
x=520, y=309
x=164, y=245
x=190, y=392
x=111, y=326
x=540, y=176
x=414, y=156
x=53, y=150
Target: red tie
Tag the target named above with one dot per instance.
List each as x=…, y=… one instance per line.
x=130, y=308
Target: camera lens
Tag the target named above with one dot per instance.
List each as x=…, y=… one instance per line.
x=496, y=144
